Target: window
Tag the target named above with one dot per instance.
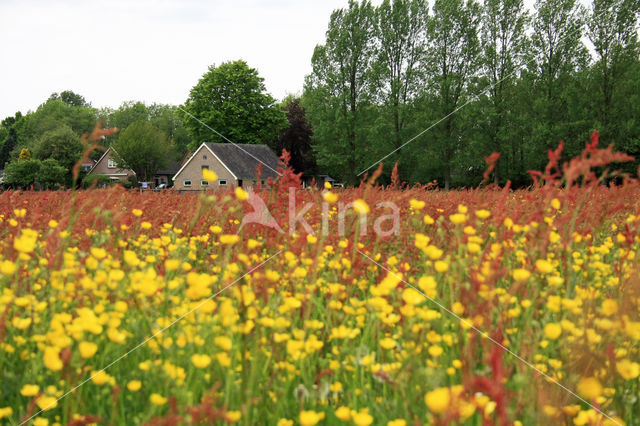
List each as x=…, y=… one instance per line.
x=204, y=166
x=262, y=182
x=111, y=163
x=204, y=157
x=187, y=182
x=254, y=182
x=222, y=182
x=204, y=183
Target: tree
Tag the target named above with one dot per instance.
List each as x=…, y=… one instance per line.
x=25, y=154
x=143, y=149
x=338, y=93
x=21, y=174
x=503, y=41
x=558, y=53
x=70, y=98
x=453, y=53
x=51, y=175
x=62, y=145
x=612, y=27
x=8, y=146
x=232, y=100
x=401, y=31
x=296, y=138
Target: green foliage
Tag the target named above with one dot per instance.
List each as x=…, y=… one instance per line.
x=52, y=175
x=96, y=180
x=8, y=145
x=338, y=93
x=232, y=100
x=62, y=145
x=143, y=149
x=21, y=174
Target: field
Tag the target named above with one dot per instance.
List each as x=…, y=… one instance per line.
x=487, y=306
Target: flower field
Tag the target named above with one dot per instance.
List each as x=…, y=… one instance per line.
x=488, y=306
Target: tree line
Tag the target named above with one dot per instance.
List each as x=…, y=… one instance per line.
x=461, y=79
x=431, y=88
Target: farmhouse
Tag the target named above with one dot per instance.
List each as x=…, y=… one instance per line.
x=107, y=166
x=235, y=165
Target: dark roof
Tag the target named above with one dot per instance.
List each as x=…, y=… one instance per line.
x=171, y=169
x=242, y=159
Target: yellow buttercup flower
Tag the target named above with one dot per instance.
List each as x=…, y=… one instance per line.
x=30, y=390
x=589, y=388
x=361, y=206
x=134, y=385
x=201, y=360
x=241, y=194
x=52, y=358
x=310, y=418
x=627, y=369
x=229, y=239
x=438, y=400
x=552, y=330
x=209, y=175
x=157, y=399
x=87, y=349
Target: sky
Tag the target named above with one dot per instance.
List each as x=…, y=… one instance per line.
x=112, y=51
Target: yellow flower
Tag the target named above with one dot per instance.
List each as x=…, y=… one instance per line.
x=233, y=416
x=544, y=266
x=362, y=419
x=100, y=378
x=483, y=214
x=552, y=330
x=30, y=390
x=329, y=197
x=412, y=297
x=134, y=385
x=171, y=264
x=458, y=218
x=137, y=212
x=397, y=422
x=416, y=204
x=327, y=185
x=283, y=421
x=40, y=421
x=241, y=194
x=441, y=266
x=47, y=402
x=222, y=342
x=312, y=239
x=53, y=224
x=201, y=361
x=145, y=225
x=438, y=400
x=361, y=206
x=7, y=267
x=609, y=307
x=310, y=418
x=209, y=175
x=157, y=399
x=521, y=274
x=428, y=220
x=52, y=358
x=555, y=203
x=589, y=388
x=5, y=412
x=229, y=239
x=26, y=242
x=87, y=349
x=388, y=343
x=343, y=413
x=215, y=229
x=223, y=359
x=627, y=369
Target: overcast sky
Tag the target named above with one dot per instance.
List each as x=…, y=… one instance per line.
x=111, y=51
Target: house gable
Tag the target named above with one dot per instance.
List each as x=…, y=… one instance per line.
x=189, y=177
x=106, y=166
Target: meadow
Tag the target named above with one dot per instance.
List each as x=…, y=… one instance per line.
x=488, y=306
